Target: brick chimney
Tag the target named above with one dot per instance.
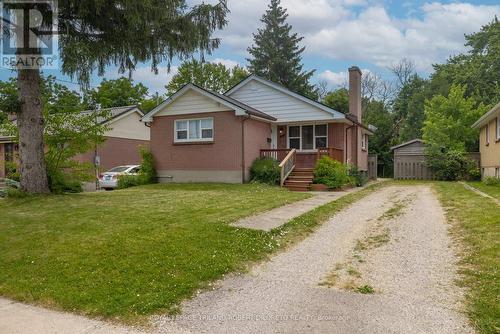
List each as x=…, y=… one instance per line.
x=355, y=93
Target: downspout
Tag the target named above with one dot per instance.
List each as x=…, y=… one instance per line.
x=243, y=167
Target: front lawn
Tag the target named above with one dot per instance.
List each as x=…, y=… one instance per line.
x=492, y=190
x=129, y=253
x=476, y=225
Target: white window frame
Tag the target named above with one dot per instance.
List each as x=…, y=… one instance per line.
x=300, y=134
x=498, y=128
x=487, y=134
x=200, y=128
x=364, y=139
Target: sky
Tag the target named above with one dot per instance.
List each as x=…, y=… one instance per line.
x=371, y=34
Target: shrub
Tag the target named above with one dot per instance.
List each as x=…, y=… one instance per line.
x=147, y=174
x=331, y=173
x=15, y=193
x=265, y=170
x=452, y=165
x=127, y=181
x=12, y=171
x=492, y=181
x=60, y=182
x=359, y=178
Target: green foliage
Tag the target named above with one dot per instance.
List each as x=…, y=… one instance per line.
x=478, y=69
x=116, y=93
x=265, y=170
x=359, y=178
x=9, y=101
x=61, y=182
x=491, y=181
x=67, y=133
x=119, y=33
x=276, y=53
x=379, y=115
x=15, y=193
x=449, y=120
x=450, y=165
x=409, y=108
x=147, y=173
x=215, y=77
x=12, y=171
x=331, y=173
x=338, y=100
x=128, y=181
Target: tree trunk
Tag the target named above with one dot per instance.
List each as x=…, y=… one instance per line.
x=30, y=122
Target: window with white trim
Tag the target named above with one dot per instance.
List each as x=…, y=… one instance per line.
x=308, y=137
x=498, y=128
x=487, y=134
x=192, y=130
x=364, y=140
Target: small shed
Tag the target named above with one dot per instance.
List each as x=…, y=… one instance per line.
x=410, y=161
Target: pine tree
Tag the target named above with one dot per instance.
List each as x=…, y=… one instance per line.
x=94, y=34
x=276, y=54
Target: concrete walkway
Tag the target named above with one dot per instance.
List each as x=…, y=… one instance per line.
x=269, y=220
x=17, y=318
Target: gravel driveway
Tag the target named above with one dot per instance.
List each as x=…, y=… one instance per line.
x=383, y=265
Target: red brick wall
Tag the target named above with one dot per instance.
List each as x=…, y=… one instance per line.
x=256, y=135
x=115, y=152
x=224, y=153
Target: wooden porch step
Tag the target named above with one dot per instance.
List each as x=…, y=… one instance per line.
x=300, y=178
x=297, y=188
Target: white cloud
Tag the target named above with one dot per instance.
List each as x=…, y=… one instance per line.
x=226, y=62
x=155, y=82
x=336, y=79
x=364, y=30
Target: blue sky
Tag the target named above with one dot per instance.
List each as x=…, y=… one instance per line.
x=372, y=34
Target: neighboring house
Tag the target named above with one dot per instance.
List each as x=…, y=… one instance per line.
x=122, y=141
x=121, y=146
x=202, y=136
x=489, y=141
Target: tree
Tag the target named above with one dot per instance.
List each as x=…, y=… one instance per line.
x=117, y=93
x=276, y=54
x=478, y=70
x=9, y=100
x=404, y=71
x=409, y=108
x=449, y=119
x=96, y=33
x=215, y=77
x=67, y=131
x=338, y=100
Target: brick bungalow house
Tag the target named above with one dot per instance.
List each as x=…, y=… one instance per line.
x=120, y=147
x=489, y=142
x=201, y=136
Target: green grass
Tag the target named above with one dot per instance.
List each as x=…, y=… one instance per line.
x=128, y=254
x=365, y=289
x=131, y=252
x=492, y=190
x=476, y=224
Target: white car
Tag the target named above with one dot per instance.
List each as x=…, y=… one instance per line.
x=109, y=179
